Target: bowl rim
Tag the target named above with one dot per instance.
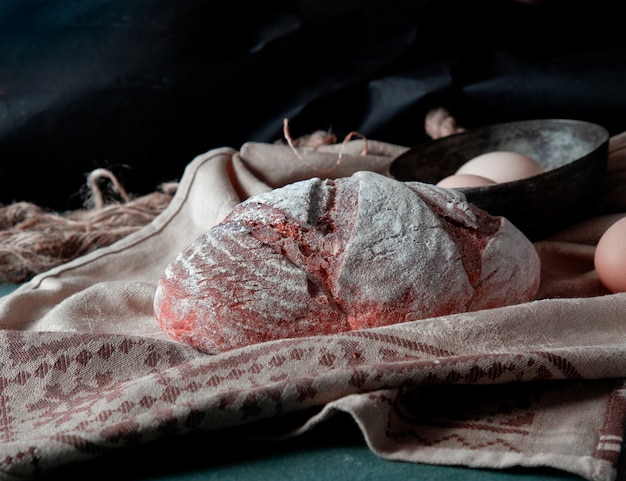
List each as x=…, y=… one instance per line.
x=603, y=138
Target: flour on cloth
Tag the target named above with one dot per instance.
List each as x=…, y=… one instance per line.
x=85, y=367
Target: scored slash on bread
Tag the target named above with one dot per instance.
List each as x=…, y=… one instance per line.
x=321, y=257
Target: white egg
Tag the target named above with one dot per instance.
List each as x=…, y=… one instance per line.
x=459, y=181
x=502, y=166
x=610, y=257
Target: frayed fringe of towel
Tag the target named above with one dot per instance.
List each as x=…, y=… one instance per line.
x=33, y=240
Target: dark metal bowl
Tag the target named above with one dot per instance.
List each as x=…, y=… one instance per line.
x=573, y=153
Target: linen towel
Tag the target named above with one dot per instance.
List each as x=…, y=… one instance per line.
x=85, y=369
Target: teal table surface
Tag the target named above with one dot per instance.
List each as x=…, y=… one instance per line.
x=333, y=451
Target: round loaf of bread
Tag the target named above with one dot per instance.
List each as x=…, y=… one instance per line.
x=322, y=257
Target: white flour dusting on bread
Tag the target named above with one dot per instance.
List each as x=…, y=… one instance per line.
x=327, y=256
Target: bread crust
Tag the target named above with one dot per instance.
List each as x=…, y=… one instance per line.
x=321, y=257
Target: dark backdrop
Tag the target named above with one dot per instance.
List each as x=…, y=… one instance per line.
x=143, y=86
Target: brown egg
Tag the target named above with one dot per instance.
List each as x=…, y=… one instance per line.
x=501, y=166
x=610, y=257
x=459, y=181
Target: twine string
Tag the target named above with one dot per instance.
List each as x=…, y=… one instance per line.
x=33, y=240
x=328, y=139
